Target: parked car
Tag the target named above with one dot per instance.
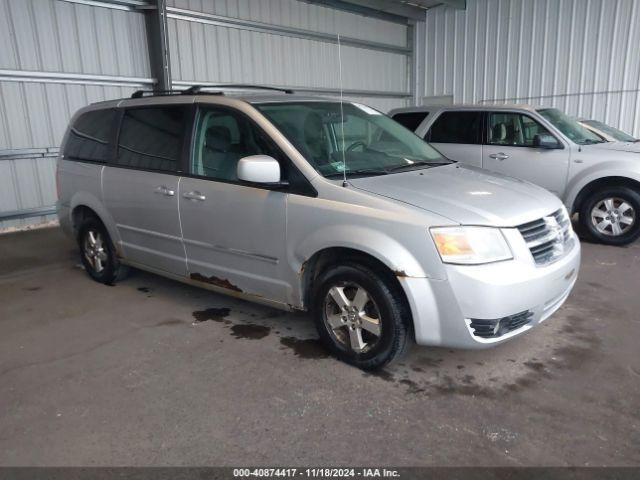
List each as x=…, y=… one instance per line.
x=607, y=132
x=598, y=180
x=309, y=204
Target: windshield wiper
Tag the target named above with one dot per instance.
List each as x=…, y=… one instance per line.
x=414, y=164
x=363, y=171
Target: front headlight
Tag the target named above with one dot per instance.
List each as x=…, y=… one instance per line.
x=471, y=245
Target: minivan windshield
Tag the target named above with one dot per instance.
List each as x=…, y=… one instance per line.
x=611, y=131
x=355, y=138
x=570, y=127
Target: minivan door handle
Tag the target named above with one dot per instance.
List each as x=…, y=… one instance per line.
x=195, y=195
x=164, y=191
x=499, y=156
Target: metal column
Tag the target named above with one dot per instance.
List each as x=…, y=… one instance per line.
x=157, y=40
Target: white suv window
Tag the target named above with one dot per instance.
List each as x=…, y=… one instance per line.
x=456, y=127
x=410, y=120
x=514, y=129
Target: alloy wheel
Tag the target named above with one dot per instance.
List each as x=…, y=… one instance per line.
x=94, y=250
x=352, y=317
x=613, y=216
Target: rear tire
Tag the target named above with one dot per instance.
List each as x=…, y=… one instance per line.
x=98, y=254
x=611, y=215
x=361, y=315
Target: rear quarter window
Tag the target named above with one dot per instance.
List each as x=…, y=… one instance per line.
x=410, y=120
x=90, y=136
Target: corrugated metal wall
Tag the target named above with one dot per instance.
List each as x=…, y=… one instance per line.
x=203, y=50
x=56, y=57
x=581, y=56
x=59, y=55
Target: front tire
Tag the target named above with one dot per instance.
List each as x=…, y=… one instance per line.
x=610, y=215
x=98, y=254
x=361, y=316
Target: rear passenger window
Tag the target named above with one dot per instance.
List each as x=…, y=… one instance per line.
x=410, y=120
x=456, y=127
x=151, y=138
x=90, y=135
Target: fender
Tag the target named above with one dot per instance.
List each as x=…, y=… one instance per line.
x=598, y=171
x=86, y=199
x=367, y=240
x=370, y=241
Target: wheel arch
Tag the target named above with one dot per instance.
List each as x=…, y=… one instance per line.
x=603, y=182
x=328, y=257
x=79, y=214
x=84, y=204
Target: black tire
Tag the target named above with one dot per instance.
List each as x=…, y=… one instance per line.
x=608, y=236
x=111, y=269
x=388, y=304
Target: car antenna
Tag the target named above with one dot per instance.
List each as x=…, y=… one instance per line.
x=344, y=158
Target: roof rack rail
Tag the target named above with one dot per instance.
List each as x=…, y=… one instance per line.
x=198, y=89
x=153, y=93
x=243, y=86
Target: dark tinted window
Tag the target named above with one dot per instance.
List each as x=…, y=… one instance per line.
x=151, y=138
x=89, y=136
x=456, y=127
x=222, y=138
x=410, y=120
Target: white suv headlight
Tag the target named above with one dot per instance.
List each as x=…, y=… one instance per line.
x=471, y=245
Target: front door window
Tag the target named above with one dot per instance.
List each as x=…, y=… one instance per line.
x=514, y=130
x=222, y=138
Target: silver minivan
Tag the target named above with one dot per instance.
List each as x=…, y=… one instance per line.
x=313, y=204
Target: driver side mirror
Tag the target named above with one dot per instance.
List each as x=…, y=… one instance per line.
x=260, y=169
x=546, y=141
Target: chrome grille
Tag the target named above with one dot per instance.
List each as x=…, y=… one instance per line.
x=548, y=238
x=494, y=328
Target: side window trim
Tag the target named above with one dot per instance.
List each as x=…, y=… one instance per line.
x=116, y=138
x=303, y=187
x=188, y=143
x=487, y=133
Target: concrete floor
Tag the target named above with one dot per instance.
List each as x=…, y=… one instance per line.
x=153, y=372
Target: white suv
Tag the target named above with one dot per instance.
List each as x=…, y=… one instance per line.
x=597, y=179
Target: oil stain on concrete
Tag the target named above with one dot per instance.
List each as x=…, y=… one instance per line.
x=441, y=372
x=309, y=348
x=250, y=331
x=214, y=314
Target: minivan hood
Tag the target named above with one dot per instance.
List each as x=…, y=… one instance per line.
x=464, y=194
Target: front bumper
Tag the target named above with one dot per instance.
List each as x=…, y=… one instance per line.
x=443, y=309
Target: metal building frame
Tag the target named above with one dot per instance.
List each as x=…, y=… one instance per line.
x=156, y=14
